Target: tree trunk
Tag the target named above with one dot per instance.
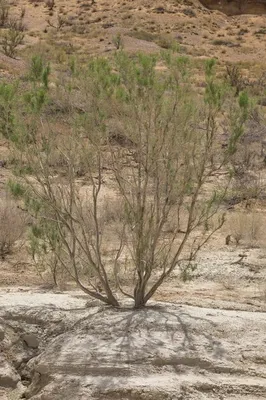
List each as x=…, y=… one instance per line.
x=139, y=296
x=108, y=299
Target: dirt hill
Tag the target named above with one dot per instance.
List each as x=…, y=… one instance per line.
x=236, y=7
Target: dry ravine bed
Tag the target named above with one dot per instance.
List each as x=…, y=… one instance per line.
x=60, y=346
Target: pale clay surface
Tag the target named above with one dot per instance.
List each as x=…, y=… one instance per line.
x=166, y=351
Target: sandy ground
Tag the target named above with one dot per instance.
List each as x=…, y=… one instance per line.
x=203, y=339
x=148, y=26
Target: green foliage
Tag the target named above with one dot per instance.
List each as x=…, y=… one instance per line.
x=168, y=42
x=172, y=139
x=36, y=99
x=39, y=71
x=44, y=237
x=16, y=189
x=215, y=91
x=187, y=272
x=179, y=66
x=209, y=67
x=32, y=203
x=8, y=94
x=244, y=101
x=238, y=119
x=118, y=41
x=44, y=246
x=137, y=73
x=39, y=75
x=102, y=76
x=23, y=192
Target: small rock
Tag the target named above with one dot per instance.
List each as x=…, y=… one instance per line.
x=8, y=375
x=2, y=329
x=19, y=391
x=31, y=340
x=2, y=333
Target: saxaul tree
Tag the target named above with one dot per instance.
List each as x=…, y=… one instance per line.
x=147, y=131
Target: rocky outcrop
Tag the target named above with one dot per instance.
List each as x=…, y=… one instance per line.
x=164, y=351
x=31, y=340
x=236, y=7
x=9, y=378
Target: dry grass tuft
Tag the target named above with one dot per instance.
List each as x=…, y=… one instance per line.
x=13, y=224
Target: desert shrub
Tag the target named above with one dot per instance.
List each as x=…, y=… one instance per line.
x=44, y=247
x=167, y=42
x=223, y=42
x=235, y=78
x=247, y=187
x=13, y=223
x=246, y=228
x=17, y=24
x=36, y=97
x=172, y=149
x=143, y=35
x=36, y=2
x=14, y=36
x=261, y=31
x=22, y=13
x=254, y=228
x=59, y=23
x=11, y=40
x=189, y=12
x=248, y=182
x=50, y=4
x=39, y=72
x=250, y=158
x=118, y=41
x=7, y=107
x=16, y=189
x=4, y=12
x=239, y=228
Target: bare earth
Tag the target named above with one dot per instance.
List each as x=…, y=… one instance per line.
x=201, y=340
x=167, y=351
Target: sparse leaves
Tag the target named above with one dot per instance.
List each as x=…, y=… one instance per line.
x=58, y=24
x=13, y=223
x=11, y=40
x=7, y=109
x=118, y=41
x=160, y=143
x=4, y=12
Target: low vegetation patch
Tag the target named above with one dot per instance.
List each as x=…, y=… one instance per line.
x=159, y=141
